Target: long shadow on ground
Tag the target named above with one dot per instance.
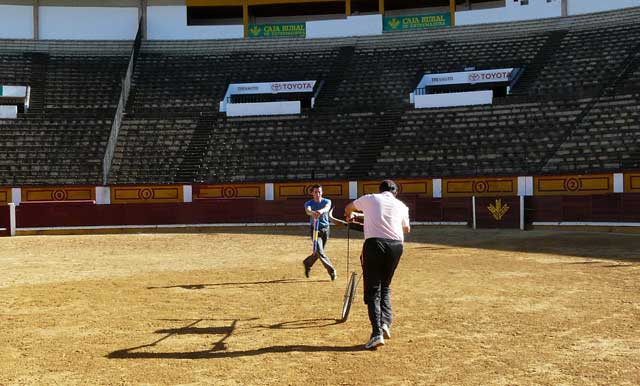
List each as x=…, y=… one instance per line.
x=219, y=353
x=240, y=284
x=219, y=349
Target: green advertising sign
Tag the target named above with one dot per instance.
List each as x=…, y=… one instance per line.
x=288, y=30
x=404, y=23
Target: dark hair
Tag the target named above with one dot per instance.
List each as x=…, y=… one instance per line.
x=388, y=186
x=316, y=186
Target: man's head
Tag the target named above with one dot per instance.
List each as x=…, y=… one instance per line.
x=316, y=190
x=389, y=186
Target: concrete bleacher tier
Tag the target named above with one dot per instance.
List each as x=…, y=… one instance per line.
x=608, y=138
x=574, y=110
x=84, y=83
x=503, y=139
x=38, y=151
x=183, y=83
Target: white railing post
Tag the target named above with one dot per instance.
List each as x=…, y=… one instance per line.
x=521, y=213
x=473, y=210
x=12, y=219
x=268, y=191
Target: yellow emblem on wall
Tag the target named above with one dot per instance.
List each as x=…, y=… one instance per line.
x=255, y=30
x=498, y=210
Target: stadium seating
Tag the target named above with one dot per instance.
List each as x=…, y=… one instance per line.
x=574, y=109
x=37, y=151
x=501, y=139
x=15, y=68
x=80, y=83
x=606, y=139
x=74, y=92
x=586, y=59
x=153, y=148
x=189, y=83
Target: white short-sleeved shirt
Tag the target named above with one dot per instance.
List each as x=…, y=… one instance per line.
x=384, y=215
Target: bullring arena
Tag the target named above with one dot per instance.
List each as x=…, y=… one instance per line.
x=156, y=157
x=232, y=307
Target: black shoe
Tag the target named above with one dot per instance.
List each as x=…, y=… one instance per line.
x=333, y=275
x=307, y=269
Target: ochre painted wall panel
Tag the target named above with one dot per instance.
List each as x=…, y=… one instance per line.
x=573, y=185
x=146, y=194
x=332, y=190
x=480, y=187
x=632, y=182
x=229, y=191
x=61, y=193
x=422, y=188
x=5, y=196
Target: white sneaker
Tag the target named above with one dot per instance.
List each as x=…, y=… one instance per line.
x=374, y=342
x=386, y=331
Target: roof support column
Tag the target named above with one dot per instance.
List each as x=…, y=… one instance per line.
x=245, y=17
x=36, y=19
x=452, y=10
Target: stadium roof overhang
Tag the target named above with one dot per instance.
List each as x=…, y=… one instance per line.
x=226, y=3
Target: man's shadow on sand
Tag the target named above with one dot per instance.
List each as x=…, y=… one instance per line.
x=239, y=284
x=219, y=348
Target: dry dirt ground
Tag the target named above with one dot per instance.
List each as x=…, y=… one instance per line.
x=233, y=308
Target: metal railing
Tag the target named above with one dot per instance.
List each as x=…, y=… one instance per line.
x=122, y=102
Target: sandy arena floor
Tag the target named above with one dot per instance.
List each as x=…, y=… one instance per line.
x=233, y=308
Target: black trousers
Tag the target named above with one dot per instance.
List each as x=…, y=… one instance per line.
x=323, y=237
x=380, y=257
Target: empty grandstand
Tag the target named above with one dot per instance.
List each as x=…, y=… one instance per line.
x=144, y=111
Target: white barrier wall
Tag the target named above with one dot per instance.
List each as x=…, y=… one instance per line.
x=14, y=91
x=103, y=195
x=525, y=186
x=88, y=23
x=16, y=22
x=618, y=182
x=264, y=108
x=578, y=7
x=170, y=23
x=514, y=11
x=351, y=26
x=469, y=98
x=10, y=112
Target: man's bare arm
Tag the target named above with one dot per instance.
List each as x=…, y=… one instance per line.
x=308, y=211
x=348, y=211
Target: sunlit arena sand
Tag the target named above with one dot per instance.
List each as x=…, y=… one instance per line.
x=234, y=308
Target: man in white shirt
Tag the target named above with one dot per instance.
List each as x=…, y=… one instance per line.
x=386, y=220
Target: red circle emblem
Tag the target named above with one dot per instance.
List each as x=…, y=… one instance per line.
x=146, y=194
x=572, y=184
x=229, y=192
x=59, y=195
x=480, y=187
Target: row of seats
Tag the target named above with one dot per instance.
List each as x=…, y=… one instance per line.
x=198, y=83
x=481, y=140
x=605, y=139
x=69, y=83
x=586, y=59
x=558, y=120
x=153, y=148
x=382, y=75
x=38, y=151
